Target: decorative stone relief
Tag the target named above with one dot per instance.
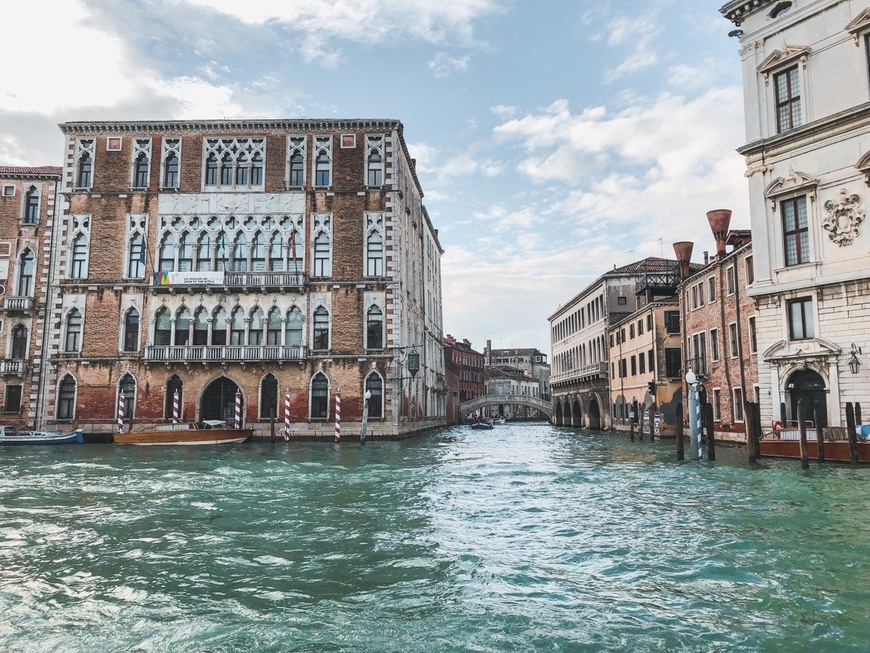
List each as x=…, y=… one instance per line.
x=842, y=218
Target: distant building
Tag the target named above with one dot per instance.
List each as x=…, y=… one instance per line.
x=510, y=380
x=469, y=364
x=225, y=259
x=530, y=360
x=29, y=198
x=807, y=101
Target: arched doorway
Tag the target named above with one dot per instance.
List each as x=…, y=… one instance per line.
x=576, y=414
x=558, y=421
x=808, y=386
x=594, y=415
x=219, y=401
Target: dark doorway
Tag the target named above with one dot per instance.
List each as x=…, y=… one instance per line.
x=219, y=401
x=594, y=415
x=576, y=414
x=558, y=417
x=809, y=387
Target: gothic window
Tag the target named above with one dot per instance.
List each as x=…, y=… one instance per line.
x=322, y=256
x=136, y=257
x=374, y=161
x=203, y=253
x=234, y=163
x=227, y=169
x=79, y=259
x=273, y=327
x=276, y=252
x=221, y=252
x=319, y=400
x=240, y=253
x=795, y=231
x=131, y=330
x=322, y=161
x=242, y=170
x=374, y=328
x=219, y=327
x=255, y=331
x=257, y=169
x=84, y=163
x=19, y=342
x=258, y=253
x=73, y=341
x=66, y=398
x=237, y=327
x=321, y=329
x=31, y=206
x=166, y=255
x=173, y=386
x=141, y=162
x=127, y=387
x=182, y=327
x=185, y=252
x=171, y=159
x=788, y=99
x=375, y=386
x=296, y=251
x=296, y=148
x=211, y=169
x=162, y=327
x=269, y=397
x=293, y=328
x=375, y=255
x=200, y=327
x=26, y=272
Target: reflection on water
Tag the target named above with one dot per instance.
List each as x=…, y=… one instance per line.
x=522, y=538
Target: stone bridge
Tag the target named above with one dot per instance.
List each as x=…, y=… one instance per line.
x=468, y=407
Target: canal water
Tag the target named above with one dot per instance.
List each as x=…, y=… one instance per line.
x=523, y=538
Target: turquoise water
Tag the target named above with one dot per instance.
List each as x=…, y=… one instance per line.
x=523, y=538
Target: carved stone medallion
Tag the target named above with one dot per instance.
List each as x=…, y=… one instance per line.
x=842, y=218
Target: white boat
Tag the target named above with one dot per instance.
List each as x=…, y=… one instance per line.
x=14, y=435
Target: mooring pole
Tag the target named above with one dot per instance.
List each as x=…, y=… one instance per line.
x=694, y=419
x=711, y=440
x=751, y=430
x=678, y=432
x=853, y=435
x=802, y=427
x=820, y=436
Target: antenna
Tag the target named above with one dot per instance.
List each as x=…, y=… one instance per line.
x=662, y=244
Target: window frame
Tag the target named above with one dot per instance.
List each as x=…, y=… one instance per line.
x=801, y=234
x=807, y=315
x=794, y=118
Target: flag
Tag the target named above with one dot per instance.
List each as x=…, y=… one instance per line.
x=142, y=252
x=293, y=246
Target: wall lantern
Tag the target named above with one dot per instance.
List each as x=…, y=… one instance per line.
x=854, y=362
x=413, y=362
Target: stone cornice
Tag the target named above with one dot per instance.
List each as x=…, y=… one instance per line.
x=737, y=9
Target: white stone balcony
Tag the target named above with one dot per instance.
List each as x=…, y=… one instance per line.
x=262, y=280
x=223, y=353
x=587, y=372
x=12, y=367
x=12, y=304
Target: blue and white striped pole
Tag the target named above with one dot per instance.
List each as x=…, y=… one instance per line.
x=694, y=417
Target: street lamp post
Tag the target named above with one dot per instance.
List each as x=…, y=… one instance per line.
x=694, y=416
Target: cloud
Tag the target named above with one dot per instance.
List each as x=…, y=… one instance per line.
x=442, y=65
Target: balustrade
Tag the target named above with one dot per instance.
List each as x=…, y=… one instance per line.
x=219, y=353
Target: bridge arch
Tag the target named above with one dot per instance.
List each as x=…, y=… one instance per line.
x=468, y=407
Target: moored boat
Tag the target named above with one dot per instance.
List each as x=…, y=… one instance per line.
x=482, y=424
x=188, y=433
x=785, y=443
x=14, y=435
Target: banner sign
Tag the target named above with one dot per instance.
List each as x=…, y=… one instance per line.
x=188, y=278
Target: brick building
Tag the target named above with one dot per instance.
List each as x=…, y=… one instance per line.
x=28, y=197
x=719, y=326
x=469, y=364
x=258, y=257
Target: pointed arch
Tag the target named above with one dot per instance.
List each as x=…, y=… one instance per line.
x=318, y=397
x=31, y=206
x=219, y=326
x=166, y=253
x=182, y=326
x=268, y=397
x=258, y=252
x=173, y=385
x=162, y=327
x=185, y=252
x=66, y=398
x=200, y=326
x=131, y=330
x=320, y=329
x=374, y=328
x=240, y=253
x=26, y=273
x=20, y=338
x=293, y=327
x=73, y=328
x=127, y=387
x=237, y=326
x=273, y=326
x=374, y=388
x=256, y=326
x=276, y=252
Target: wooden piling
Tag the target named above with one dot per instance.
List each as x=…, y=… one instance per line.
x=631, y=426
x=853, y=434
x=858, y=419
x=802, y=426
x=711, y=438
x=750, y=430
x=652, y=423
x=820, y=436
x=782, y=414
x=678, y=429
x=756, y=418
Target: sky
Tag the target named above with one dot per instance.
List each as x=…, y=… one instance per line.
x=554, y=139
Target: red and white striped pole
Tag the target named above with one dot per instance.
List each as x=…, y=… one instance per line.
x=121, y=400
x=238, y=409
x=287, y=416
x=176, y=408
x=338, y=415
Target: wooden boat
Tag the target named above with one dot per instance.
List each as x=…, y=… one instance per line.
x=207, y=432
x=786, y=443
x=14, y=435
x=482, y=424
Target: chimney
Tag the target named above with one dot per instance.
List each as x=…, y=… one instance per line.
x=719, y=221
x=706, y=257
x=683, y=250
x=489, y=352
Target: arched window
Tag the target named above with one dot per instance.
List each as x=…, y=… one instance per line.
x=240, y=253
x=162, y=327
x=375, y=386
x=185, y=252
x=79, y=258
x=170, y=171
x=200, y=327
x=166, y=261
x=319, y=400
x=258, y=253
x=140, y=171
x=295, y=245
x=375, y=254
x=31, y=206
x=293, y=328
x=255, y=330
x=321, y=169
x=182, y=326
x=85, y=167
x=131, y=330
x=136, y=257
x=19, y=342
x=66, y=398
x=242, y=170
x=297, y=170
x=127, y=387
x=273, y=327
x=203, y=253
x=226, y=170
x=257, y=169
x=322, y=258
x=276, y=252
x=173, y=386
x=211, y=170
x=321, y=328
x=269, y=397
x=376, y=169
x=374, y=328
x=219, y=327
x=26, y=271
x=221, y=252
x=73, y=341
x=237, y=327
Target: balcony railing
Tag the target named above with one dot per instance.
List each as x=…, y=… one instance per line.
x=228, y=279
x=660, y=282
x=220, y=353
x=14, y=367
x=698, y=366
x=17, y=303
x=594, y=370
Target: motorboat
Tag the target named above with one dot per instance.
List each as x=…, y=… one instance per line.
x=210, y=431
x=785, y=443
x=15, y=435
